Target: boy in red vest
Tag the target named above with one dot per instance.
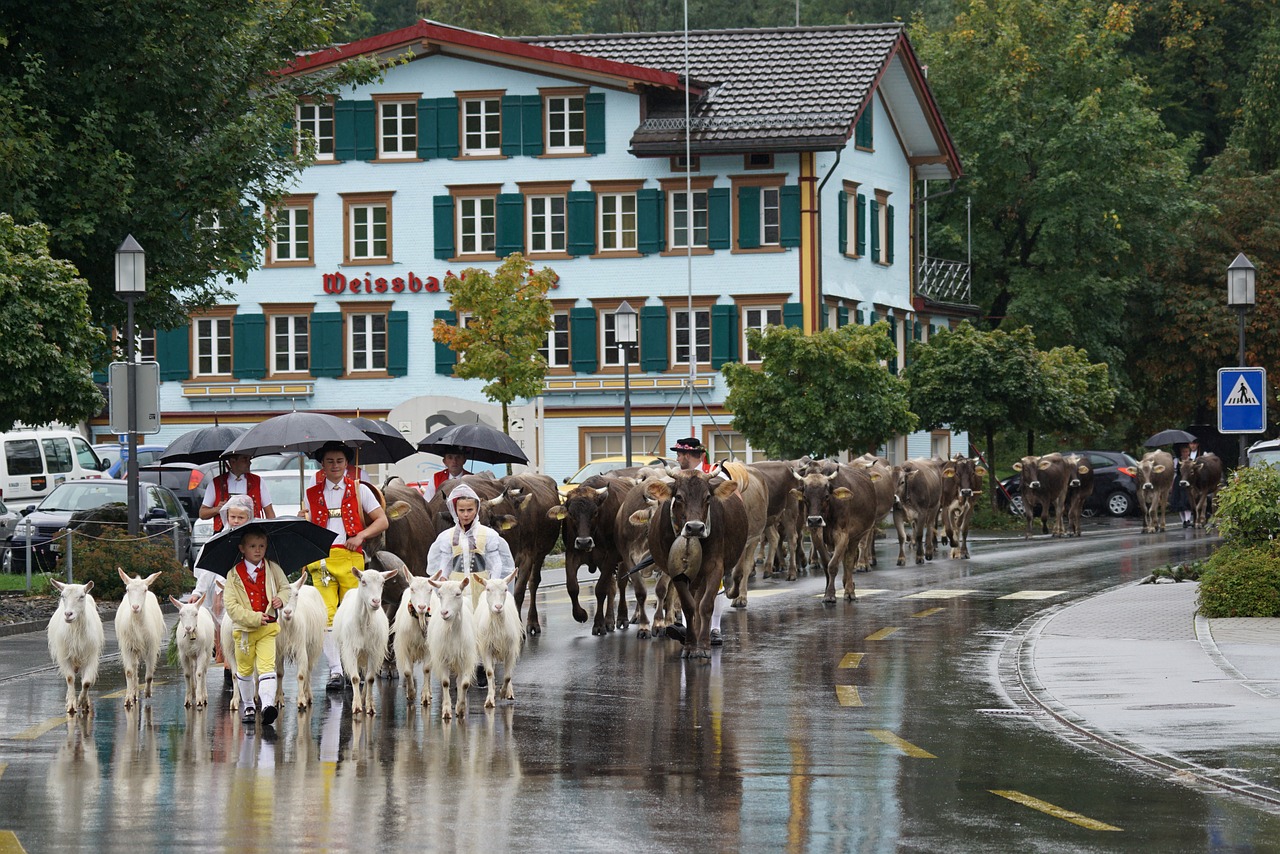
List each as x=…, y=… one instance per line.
x=238, y=480
x=251, y=597
x=455, y=466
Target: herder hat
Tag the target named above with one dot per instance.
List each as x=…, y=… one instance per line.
x=691, y=445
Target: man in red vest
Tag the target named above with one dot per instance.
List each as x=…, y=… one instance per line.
x=351, y=510
x=237, y=481
x=455, y=465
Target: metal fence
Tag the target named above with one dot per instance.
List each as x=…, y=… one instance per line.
x=944, y=281
x=63, y=545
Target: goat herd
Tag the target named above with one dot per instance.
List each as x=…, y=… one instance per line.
x=701, y=530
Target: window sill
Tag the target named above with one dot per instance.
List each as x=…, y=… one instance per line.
x=853, y=255
x=284, y=264
x=366, y=375
x=622, y=253
x=759, y=250
x=481, y=157
x=366, y=262
x=469, y=259
x=684, y=252
x=290, y=378
x=550, y=256
x=396, y=160
x=559, y=155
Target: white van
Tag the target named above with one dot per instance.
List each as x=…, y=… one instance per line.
x=33, y=462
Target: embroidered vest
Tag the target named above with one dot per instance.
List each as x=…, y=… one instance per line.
x=477, y=562
x=350, y=510
x=253, y=488
x=257, y=590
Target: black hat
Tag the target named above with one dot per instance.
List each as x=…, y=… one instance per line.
x=691, y=445
x=318, y=453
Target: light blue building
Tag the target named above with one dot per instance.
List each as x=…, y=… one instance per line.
x=798, y=201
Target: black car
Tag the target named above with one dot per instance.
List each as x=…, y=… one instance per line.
x=1115, y=490
x=185, y=480
x=161, y=514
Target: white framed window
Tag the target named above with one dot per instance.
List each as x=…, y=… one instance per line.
x=213, y=346
x=290, y=344
x=368, y=237
x=481, y=126
x=610, y=352
x=315, y=126
x=477, y=225
x=852, y=220
x=291, y=234
x=679, y=216
x=366, y=342
x=397, y=130
x=701, y=336
x=725, y=445
x=617, y=221
x=145, y=343
x=770, y=216
x=940, y=444
x=556, y=348
x=759, y=318
x=566, y=124
x=881, y=225
x=613, y=444
x=547, y=223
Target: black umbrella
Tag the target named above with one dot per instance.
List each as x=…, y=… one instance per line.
x=1169, y=437
x=477, y=441
x=201, y=446
x=296, y=431
x=292, y=542
x=389, y=445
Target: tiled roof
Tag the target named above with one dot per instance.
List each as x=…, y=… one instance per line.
x=782, y=88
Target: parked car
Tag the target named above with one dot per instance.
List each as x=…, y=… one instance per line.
x=118, y=456
x=1266, y=452
x=1115, y=491
x=160, y=511
x=276, y=462
x=185, y=480
x=8, y=522
x=605, y=465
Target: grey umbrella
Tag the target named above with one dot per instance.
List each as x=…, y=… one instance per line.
x=297, y=431
x=477, y=441
x=389, y=445
x=1169, y=437
x=205, y=445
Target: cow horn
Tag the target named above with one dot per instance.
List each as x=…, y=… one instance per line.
x=602, y=491
x=494, y=502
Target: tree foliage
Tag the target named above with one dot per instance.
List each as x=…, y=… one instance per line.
x=507, y=318
x=818, y=394
x=44, y=317
x=1075, y=395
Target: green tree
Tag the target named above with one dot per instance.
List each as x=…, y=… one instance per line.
x=1075, y=184
x=1074, y=396
x=160, y=120
x=818, y=394
x=44, y=314
x=1258, y=130
x=977, y=381
x=507, y=318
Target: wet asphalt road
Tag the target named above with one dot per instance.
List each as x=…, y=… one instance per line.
x=615, y=743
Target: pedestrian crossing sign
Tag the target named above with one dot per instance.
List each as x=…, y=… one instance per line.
x=1242, y=400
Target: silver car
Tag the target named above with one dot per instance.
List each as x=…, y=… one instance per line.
x=8, y=522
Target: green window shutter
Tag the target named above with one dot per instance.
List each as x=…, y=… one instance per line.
x=793, y=315
x=173, y=352
x=445, y=357
x=748, y=217
x=873, y=319
x=650, y=224
x=582, y=222
x=857, y=316
x=582, y=339
x=398, y=343
x=443, y=227
x=511, y=125
x=531, y=125
x=510, y=226
x=842, y=221
x=653, y=338
x=366, y=118
x=249, y=350
x=327, y=346
x=916, y=329
x=888, y=233
x=862, y=137
x=595, y=122
x=873, y=226
x=718, y=214
x=428, y=148
x=789, y=199
x=842, y=316
x=893, y=336
x=724, y=335
x=344, y=130
x=447, y=126
x=860, y=227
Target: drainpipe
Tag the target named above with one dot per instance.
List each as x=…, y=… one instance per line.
x=817, y=238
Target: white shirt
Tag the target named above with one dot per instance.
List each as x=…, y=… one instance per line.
x=333, y=501
x=236, y=485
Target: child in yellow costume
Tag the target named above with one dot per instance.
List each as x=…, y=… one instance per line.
x=251, y=597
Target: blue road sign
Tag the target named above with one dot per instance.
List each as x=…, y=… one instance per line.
x=1242, y=400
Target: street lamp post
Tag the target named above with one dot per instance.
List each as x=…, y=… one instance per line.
x=131, y=283
x=1241, y=277
x=624, y=335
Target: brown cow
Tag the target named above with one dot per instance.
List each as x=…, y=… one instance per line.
x=884, y=504
x=532, y=536
x=698, y=531
x=589, y=512
x=1155, y=478
x=1201, y=477
x=841, y=508
x=755, y=500
x=961, y=485
x=917, y=495
x=1079, y=488
x=1044, y=485
x=782, y=513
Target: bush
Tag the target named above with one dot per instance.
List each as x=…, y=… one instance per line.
x=1242, y=581
x=96, y=560
x=1249, y=506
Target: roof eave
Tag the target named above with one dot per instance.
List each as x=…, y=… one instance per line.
x=675, y=147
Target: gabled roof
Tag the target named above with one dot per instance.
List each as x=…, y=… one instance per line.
x=429, y=37
x=795, y=88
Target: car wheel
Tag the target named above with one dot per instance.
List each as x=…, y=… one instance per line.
x=1119, y=503
x=1015, y=505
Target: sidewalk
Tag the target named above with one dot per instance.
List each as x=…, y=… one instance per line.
x=1137, y=669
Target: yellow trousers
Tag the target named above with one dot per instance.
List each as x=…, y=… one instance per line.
x=256, y=647
x=341, y=578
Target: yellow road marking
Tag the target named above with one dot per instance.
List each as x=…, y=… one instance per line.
x=927, y=612
x=860, y=592
x=939, y=594
x=9, y=843
x=1055, y=811
x=761, y=594
x=113, y=695
x=1034, y=594
x=848, y=695
x=901, y=743
x=3, y=765
x=32, y=733
x=851, y=660
x=883, y=633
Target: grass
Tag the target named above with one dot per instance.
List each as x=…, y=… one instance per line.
x=17, y=582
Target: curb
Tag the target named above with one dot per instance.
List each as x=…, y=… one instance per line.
x=10, y=629
x=1204, y=634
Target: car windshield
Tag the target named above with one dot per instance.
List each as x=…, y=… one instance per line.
x=286, y=488
x=604, y=466
x=1268, y=457
x=69, y=497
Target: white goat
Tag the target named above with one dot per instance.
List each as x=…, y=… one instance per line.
x=76, y=640
x=302, y=623
x=361, y=629
x=195, y=643
x=227, y=639
x=411, y=637
x=451, y=636
x=140, y=633
x=499, y=633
